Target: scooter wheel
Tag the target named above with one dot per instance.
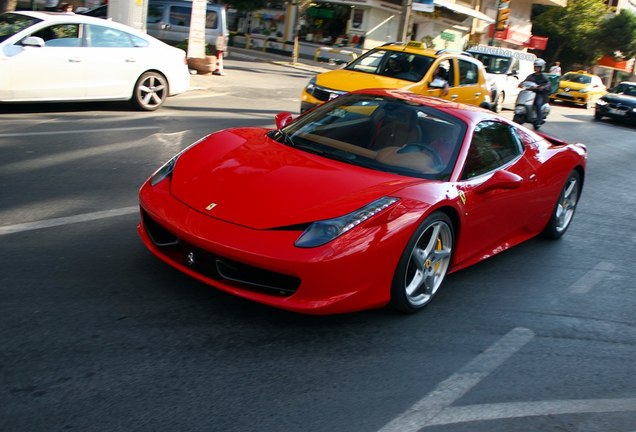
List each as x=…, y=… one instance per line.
x=518, y=118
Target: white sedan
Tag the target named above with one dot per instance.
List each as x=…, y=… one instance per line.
x=59, y=57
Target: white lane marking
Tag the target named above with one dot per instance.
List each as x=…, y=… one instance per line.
x=69, y=131
x=425, y=410
x=471, y=413
x=592, y=277
x=170, y=142
x=48, y=223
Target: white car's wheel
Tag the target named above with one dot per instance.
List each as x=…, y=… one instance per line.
x=150, y=92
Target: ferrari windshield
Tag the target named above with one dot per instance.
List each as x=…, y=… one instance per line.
x=11, y=24
x=380, y=133
x=395, y=64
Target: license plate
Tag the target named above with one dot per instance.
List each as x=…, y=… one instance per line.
x=616, y=112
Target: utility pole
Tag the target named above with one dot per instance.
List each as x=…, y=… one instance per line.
x=405, y=19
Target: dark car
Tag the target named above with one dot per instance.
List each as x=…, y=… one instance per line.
x=619, y=103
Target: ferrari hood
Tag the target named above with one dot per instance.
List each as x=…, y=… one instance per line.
x=243, y=177
x=346, y=80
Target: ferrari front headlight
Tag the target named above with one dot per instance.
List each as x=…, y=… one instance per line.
x=167, y=168
x=164, y=171
x=324, y=231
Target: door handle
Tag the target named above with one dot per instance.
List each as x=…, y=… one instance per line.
x=454, y=97
x=131, y=60
x=74, y=60
x=478, y=94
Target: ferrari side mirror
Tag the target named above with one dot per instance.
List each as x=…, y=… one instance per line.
x=283, y=119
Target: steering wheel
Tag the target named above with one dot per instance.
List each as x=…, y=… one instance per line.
x=424, y=148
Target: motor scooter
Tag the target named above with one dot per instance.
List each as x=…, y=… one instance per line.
x=524, y=106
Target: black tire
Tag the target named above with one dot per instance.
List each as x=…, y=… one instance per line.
x=150, y=92
x=564, y=208
x=423, y=264
x=518, y=118
x=598, y=116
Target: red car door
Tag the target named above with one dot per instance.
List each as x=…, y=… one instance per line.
x=497, y=189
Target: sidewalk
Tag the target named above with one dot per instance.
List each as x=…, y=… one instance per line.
x=199, y=82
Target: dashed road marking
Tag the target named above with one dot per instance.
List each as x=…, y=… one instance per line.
x=425, y=410
x=74, y=131
x=590, y=279
x=435, y=409
x=48, y=223
x=471, y=413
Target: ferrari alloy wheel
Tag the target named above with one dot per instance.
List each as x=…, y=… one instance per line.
x=565, y=207
x=424, y=264
x=150, y=91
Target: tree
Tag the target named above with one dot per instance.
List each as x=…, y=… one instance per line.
x=572, y=30
x=7, y=5
x=618, y=33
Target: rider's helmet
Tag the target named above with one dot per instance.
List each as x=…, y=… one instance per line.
x=539, y=63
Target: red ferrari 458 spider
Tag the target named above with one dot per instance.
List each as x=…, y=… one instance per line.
x=369, y=199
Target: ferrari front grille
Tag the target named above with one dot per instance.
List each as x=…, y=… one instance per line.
x=216, y=267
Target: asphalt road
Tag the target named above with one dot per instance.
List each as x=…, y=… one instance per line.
x=98, y=335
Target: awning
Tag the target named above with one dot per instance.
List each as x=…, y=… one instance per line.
x=463, y=10
x=562, y=3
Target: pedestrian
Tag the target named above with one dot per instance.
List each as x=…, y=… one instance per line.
x=542, y=91
x=556, y=68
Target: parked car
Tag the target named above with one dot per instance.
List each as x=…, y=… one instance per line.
x=169, y=21
x=580, y=88
x=619, y=103
x=371, y=198
x=408, y=66
x=58, y=57
x=505, y=69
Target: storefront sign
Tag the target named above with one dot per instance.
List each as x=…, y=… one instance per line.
x=448, y=36
x=423, y=6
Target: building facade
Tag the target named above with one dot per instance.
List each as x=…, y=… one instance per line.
x=364, y=24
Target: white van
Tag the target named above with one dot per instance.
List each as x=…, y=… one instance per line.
x=169, y=21
x=505, y=69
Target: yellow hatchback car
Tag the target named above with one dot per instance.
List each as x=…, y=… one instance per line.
x=450, y=75
x=580, y=88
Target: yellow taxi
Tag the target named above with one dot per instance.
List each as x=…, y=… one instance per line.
x=580, y=88
x=450, y=75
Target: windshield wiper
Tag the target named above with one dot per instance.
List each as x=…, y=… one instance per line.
x=282, y=137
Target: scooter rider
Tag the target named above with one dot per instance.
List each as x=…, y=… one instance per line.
x=542, y=91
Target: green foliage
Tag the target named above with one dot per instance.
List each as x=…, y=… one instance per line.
x=618, y=33
x=209, y=49
x=572, y=31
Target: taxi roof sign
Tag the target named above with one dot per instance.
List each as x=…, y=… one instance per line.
x=416, y=44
